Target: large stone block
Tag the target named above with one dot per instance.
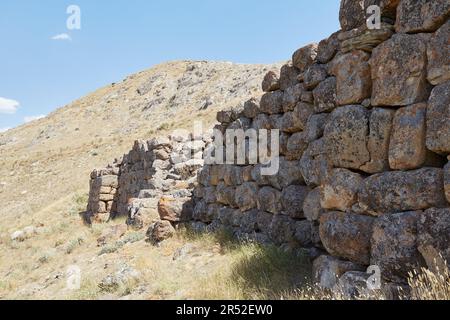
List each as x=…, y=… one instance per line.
x=314, y=74
x=251, y=108
x=296, y=145
x=399, y=71
x=288, y=76
x=438, y=52
x=347, y=235
x=175, y=209
x=407, y=148
x=288, y=173
x=433, y=239
x=292, y=199
x=314, y=163
x=438, y=119
x=447, y=181
x=226, y=195
x=327, y=270
x=304, y=57
x=282, y=229
x=380, y=128
x=271, y=82
x=292, y=96
x=365, y=39
x=312, y=209
x=303, y=233
x=269, y=200
x=415, y=16
x=325, y=95
x=340, y=190
x=353, y=78
x=397, y=191
x=346, y=136
x=272, y=102
x=246, y=196
x=394, y=247
x=327, y=48
x=351, y=14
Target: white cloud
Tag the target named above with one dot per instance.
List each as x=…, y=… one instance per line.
x=33, y=118
x=4, y=129
x=62, y=37
x=8, y=106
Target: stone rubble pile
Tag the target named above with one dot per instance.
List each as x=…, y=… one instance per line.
x=364, y=171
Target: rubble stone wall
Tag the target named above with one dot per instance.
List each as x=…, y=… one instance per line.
x=364, y=178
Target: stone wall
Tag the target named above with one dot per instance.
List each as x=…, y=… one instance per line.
x=156, y=175
x=364, y=174
x=365, y=130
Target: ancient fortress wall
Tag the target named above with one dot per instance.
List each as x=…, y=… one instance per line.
x=364, y=177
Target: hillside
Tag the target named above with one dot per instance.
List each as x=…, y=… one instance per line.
x=48, y=159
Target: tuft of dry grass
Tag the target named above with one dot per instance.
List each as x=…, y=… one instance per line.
x=429, y=284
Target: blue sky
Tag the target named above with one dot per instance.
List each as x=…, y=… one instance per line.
x=118, y=37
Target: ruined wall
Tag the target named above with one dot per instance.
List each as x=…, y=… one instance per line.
x=365, y=122
x=364, y=174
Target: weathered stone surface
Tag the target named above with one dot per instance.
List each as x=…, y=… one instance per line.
x=281, y=229
x=232, y=175
x=380, y=129
x=175, y=209
x=314, y=74
x=351, y=14
x=394, y=247
x=365, y=39
x=304, y=57
x=160, y=231
x=288, y=173
x=340, y=190
x=302, y=113
x=388, y=7
x=353, y=82
x=407, y=147
x=327, y=48
x=346, y=136
x=397, y=191
x=269, y=200
x=433, y=240
x=327, y=270
x=246, y=196
x=261, y=121
x=438, y=52
x=315, y=126
x=447, y=181
x=251, y=108
x=271, y=82
x=272, y=102
x=288, y=76
x=226, y=195
x=303, y=233
x=415, y=16
x=312, y=209
x=314, y=164
x=325, y=95
x=292, y=199
x=438, y=119
x=292, y=96
x=347, y=235
x=296, y=146
x=290, y=122
x=399, y=71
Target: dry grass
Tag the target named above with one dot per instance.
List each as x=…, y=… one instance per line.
x=430, y=284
